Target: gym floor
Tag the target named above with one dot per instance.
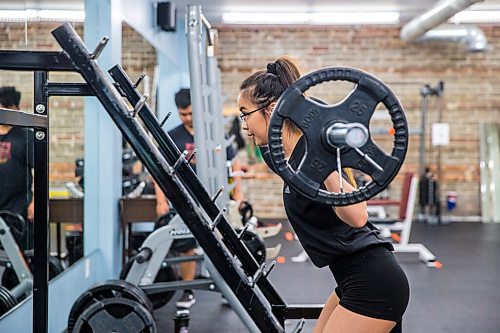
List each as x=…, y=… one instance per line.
x=462, y=296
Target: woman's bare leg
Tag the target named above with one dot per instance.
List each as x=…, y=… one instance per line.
x=345, y=321
x=330, y=305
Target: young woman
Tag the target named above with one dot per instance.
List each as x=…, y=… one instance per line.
x=372, y=292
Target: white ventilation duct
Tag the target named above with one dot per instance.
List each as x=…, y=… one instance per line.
x=438, y=14
x=470, y=35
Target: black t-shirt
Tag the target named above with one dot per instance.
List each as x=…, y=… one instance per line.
x=16, y=164
x=185, y=141
x=323, y=235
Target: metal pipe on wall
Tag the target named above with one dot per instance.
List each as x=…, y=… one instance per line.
x=438, y=14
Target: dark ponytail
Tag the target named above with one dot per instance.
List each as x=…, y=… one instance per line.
x=266, y=86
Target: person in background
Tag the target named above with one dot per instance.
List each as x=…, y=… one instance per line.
x=183, y=136
x=16, y=167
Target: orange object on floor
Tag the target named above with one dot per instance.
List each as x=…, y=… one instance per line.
x=289, y=236
x=438, y=264
x=396, y=237
x=280, y=260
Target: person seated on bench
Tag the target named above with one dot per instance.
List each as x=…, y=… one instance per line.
x=183, y=136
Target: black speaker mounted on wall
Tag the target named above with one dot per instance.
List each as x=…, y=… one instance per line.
x=166, y=16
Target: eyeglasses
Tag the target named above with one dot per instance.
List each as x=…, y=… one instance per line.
x=244, y=116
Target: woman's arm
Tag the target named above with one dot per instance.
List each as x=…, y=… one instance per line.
x=354, y=215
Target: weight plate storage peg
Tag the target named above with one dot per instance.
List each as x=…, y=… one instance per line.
x=338, y=136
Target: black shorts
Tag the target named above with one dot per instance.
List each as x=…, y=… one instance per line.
x=372, y=283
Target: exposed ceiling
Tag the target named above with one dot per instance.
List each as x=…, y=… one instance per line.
x=213, y=9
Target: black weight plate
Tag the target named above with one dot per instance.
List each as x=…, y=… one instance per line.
x=246, y=211
x=115, y=314
x=255, y=245
x=314, y=118
x=55, y=267
x=74, y=245
x=106, y=290
x=7, y=301
x=165, y=274
x=9, y=277
x=164, y=220
x=16, y=224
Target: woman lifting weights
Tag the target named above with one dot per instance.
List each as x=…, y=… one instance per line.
x=372, y=290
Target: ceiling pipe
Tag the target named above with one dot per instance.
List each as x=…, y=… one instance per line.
x=470, y=35
x=438, y=14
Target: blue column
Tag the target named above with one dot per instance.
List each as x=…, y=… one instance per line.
x=103, y=144
x=171, y=49
x=173, y=74
x=171, y=78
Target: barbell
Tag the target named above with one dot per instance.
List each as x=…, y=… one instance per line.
x=338, y=136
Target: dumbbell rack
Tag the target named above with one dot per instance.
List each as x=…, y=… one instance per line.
x=198, y=209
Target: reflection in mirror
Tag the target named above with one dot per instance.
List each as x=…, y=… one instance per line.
x=16, y=207
x=65, y=177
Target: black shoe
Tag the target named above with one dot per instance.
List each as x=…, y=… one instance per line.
x=186, y=301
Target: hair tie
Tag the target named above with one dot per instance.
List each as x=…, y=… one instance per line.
x=272, y=68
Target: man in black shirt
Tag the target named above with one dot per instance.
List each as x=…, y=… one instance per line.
x=183, y=136
x=16, y=164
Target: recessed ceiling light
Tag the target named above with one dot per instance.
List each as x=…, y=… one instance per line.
x=327, y=18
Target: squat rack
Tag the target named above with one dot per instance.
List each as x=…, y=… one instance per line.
x=247, y=280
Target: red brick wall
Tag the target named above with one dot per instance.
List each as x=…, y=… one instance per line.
x=471, y=93
x=66, y=114
x=471, y=97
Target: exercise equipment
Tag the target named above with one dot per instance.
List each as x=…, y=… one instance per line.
x=429, y=203
x=74, y=246
x=10, y=279
x=99, y=294
x=165, y=274
x=151, y=268
x=18, y=264
x=242, y=217
x=254, y=243
x=338, y=136
x=16, y=224
x=181, y=321
x=133, y=184
x=115, y=314
x=7, y=300
x=246, y=211
x=400, y=228
x=17, y=279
